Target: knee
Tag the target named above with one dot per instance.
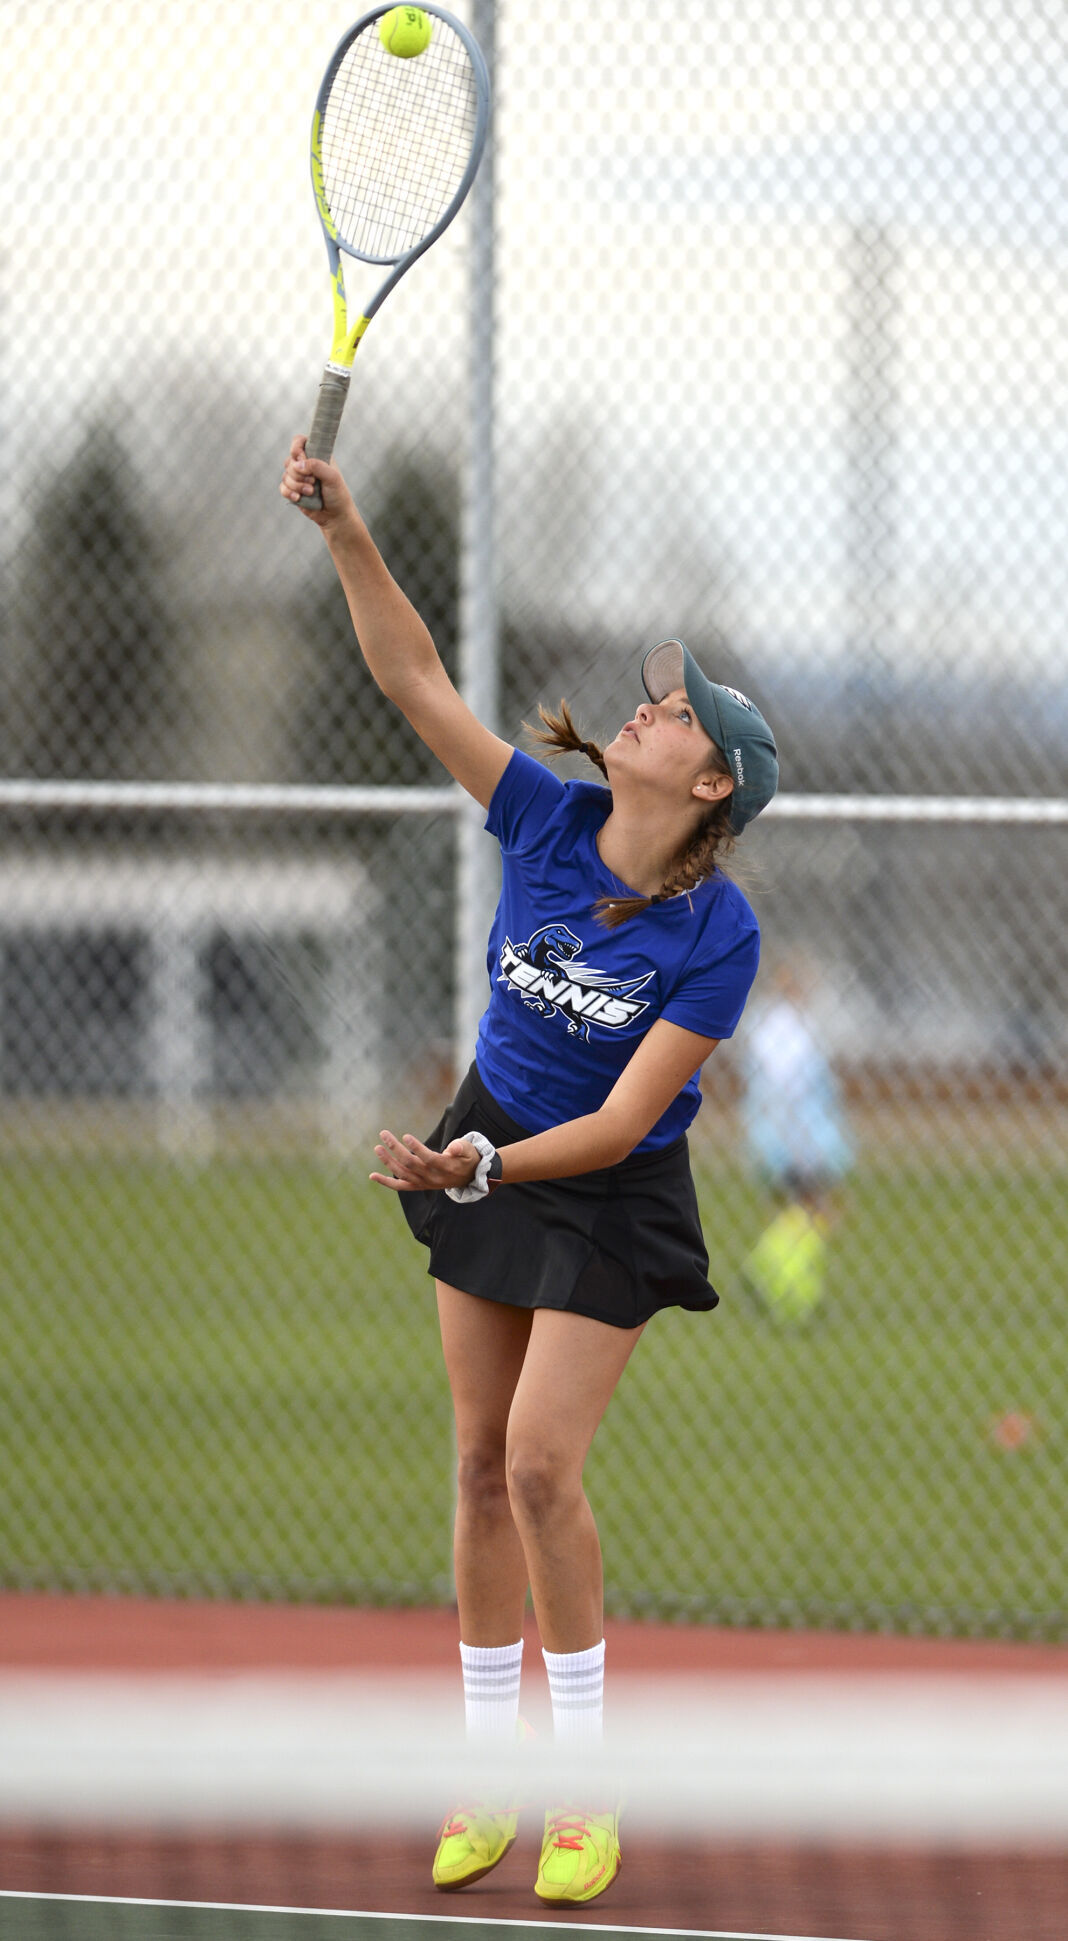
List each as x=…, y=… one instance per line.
x=539, y=1482
x=481, y=1477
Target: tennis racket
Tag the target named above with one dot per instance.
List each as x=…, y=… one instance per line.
x=395, y=145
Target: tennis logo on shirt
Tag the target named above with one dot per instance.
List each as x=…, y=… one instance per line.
x=543, y=972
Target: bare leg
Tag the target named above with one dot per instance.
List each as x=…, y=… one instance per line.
x=484, y=1343
x=569, y=1372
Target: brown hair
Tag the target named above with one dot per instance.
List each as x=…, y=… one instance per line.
x=712, y=840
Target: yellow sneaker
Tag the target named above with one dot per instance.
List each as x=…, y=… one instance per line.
x=580, y=1855
x=472, y=1841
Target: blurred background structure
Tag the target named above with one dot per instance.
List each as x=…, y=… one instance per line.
x=757, y=336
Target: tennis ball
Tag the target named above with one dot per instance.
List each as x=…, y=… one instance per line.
x=404, y=31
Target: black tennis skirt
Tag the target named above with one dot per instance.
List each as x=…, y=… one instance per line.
x=616, y=1245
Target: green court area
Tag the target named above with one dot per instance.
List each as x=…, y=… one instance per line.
x=224, y=1379
x=60, y=1918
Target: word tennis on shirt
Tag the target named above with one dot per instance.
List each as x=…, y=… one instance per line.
x=581, y=999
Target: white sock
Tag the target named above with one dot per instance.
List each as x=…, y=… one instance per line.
x=576, y=1687
x=491, y=1689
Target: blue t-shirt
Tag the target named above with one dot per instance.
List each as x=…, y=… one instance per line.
x=571, y=1001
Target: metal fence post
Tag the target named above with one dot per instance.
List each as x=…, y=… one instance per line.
x=476, y=861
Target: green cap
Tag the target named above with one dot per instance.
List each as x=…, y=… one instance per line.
x=737, y=727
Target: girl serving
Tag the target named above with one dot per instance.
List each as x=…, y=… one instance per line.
x=555, y=1194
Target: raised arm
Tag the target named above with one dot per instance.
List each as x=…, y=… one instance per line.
x=395, y=643
x=667, y=1056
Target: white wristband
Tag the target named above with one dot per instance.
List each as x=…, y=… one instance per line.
x=480, y=1185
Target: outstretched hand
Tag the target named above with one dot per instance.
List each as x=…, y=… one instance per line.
x=419, y=1169
x=300, y=477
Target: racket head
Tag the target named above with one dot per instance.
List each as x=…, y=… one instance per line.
x=396, y=143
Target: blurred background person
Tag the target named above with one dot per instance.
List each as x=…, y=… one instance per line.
x=799, y=1143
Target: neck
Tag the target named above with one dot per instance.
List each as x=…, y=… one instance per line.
x=641, y=845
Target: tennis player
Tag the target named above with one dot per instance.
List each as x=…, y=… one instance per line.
x=555, y=1193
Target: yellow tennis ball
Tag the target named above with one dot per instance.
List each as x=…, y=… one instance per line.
x=405, y=31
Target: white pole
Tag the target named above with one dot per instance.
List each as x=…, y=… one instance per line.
x=477, y=866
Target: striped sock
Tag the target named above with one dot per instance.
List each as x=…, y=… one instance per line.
x=491, y=1689
x=576, y=1687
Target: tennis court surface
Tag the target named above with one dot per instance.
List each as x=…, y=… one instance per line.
x=272, y=1768
x=55, y=1918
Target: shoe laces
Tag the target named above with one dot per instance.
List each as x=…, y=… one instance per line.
x=460, y=1821
x=465, y=1817
x=570, y=1829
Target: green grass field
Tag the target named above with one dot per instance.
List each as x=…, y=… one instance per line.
x=226, y=1380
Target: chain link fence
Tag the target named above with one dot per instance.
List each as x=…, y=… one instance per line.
x=779, y=324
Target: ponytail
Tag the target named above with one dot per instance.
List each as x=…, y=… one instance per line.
x=560, y=736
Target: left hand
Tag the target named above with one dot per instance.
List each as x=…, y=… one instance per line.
x=419, y=1169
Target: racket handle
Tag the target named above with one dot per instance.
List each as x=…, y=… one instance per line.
x=333, y=391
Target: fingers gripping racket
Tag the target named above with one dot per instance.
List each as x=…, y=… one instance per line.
x=395, y=146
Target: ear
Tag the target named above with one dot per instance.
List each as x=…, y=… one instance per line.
x=713, y=788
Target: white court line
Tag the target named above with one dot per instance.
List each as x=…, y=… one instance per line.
x=452, y=1920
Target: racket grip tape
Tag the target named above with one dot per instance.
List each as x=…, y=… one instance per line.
x=330, y=404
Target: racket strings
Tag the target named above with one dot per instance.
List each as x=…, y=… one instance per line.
x=397, y=137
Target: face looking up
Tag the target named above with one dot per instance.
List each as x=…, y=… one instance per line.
x=665, y=748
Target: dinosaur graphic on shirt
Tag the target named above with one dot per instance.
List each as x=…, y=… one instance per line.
x=545, y=974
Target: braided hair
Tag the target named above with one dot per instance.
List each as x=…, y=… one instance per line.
x=712, y=840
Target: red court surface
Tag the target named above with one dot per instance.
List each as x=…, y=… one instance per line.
x=147, y=1634
x=859, y=1890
